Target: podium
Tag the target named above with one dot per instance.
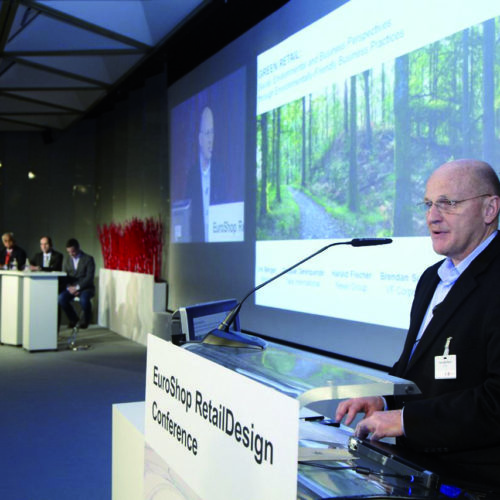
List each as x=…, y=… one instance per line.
x=315, y=381
x=28, y=309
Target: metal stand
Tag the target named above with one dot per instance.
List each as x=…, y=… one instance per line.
x=72, y=346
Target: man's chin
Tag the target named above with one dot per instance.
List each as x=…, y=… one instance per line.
x=439, y=246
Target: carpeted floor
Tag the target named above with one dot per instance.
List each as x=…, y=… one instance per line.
x=55, y=415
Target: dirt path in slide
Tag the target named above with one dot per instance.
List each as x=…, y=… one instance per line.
x=315, y=221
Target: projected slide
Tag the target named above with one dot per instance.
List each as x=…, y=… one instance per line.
x=353, y=114
x=207, y=156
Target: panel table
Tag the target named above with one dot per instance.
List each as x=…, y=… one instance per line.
x=40, y=291
x=11, y=307
x=29, y=309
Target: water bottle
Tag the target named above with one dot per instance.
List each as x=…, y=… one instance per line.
x=14, y=264
x=27, y=267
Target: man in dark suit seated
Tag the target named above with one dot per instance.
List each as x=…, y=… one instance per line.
x=48, y=259
x=452, y=349
x=11, y=255
x=80, y=270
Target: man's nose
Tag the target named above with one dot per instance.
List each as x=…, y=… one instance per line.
x=433, y=214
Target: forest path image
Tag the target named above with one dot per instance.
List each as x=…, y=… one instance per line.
x=315, y=221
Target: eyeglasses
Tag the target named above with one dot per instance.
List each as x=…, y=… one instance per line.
x=444, y=205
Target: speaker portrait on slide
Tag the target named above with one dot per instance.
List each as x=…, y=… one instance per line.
x=207, y=162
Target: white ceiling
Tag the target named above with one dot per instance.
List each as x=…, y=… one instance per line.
x=59, y=58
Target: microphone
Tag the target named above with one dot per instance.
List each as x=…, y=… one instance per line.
x=369, y=242
x=223, y=335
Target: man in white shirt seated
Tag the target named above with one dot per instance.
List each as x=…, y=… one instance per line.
x=48, y=259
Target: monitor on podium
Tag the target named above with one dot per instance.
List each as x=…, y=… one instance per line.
x=192, y=323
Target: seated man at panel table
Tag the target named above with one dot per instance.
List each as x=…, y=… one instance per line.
x=452, y=349
x=48, y=259
x=80, y=270
x=11, y=255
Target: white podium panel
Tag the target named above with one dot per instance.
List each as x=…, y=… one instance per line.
x=128, y=451
x=40, y=291
x=11, y=303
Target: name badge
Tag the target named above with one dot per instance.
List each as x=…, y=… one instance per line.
x=445, y=367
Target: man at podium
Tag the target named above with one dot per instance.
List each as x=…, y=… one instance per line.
x=452, y=349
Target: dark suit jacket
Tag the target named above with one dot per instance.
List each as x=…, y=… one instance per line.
x=83, y=275
x=55, y=263
x=457, y=420
x=17, y=253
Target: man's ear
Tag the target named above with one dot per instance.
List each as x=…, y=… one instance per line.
x=491, y=209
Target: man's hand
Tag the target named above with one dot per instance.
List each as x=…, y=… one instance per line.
x=73, y=290
x=380, y=424
x=352, y=407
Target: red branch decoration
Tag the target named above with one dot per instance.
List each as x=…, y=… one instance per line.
x=135, y=245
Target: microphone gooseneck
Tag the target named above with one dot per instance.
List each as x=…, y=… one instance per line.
x=356, y=242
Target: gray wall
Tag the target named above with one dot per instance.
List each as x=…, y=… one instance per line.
x=101, y=170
